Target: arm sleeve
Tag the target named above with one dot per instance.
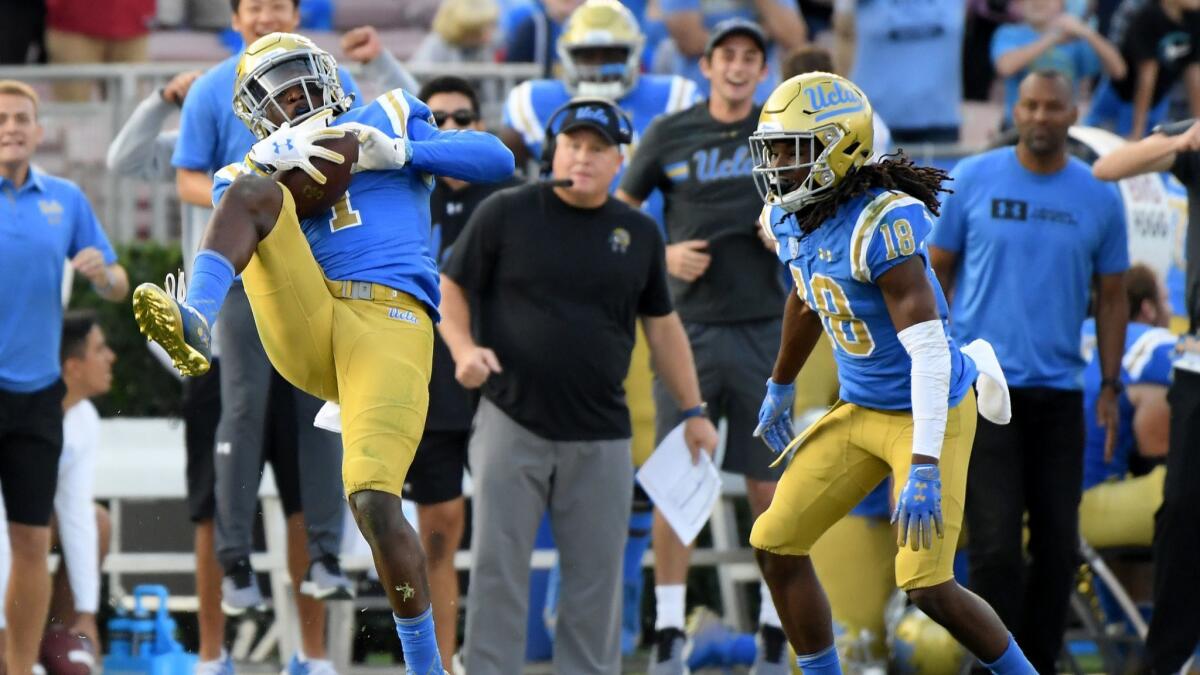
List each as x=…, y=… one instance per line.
x=76, y=514
x=473, y=156
x=655, y=299
x=1112, y=256
x=644, y=172
x=473, y=257
x=927, y=346
x=141, y=149
x=388, y=73
x=199, y=131
x=898, y=233
x=225, y=177
x=88, y=231
x=950, y=230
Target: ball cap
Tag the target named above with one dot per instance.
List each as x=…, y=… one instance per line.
x=735, y=26
x=599, y=114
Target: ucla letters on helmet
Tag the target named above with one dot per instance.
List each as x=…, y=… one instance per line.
x=276, y=62
x=590, y=45
x=828, y=121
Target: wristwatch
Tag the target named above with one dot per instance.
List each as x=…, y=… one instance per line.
x=1112, y=383
x=698, y=411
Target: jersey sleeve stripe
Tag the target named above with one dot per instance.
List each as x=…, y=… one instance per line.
x=231, y=172
x=864, y=230
x=521, y=102
x=1142, y=351
x=397, y=111
x=764, y=221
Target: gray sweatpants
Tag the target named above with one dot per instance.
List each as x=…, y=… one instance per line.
x=588, y=487
x=245, y=380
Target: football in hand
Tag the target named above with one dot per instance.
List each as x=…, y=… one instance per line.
x=312, y=198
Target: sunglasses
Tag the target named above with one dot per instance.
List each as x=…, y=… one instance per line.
x=462, y=117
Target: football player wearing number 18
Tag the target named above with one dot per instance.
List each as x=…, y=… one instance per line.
x=344, y=301
x=853, y=235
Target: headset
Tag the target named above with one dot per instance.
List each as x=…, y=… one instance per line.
x=624, y=126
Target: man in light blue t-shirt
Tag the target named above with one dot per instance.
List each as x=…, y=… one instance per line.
x=1050, y=38
x=44, y=221
x=1018, y=246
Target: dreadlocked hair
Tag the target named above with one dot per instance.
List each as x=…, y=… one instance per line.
x=892, y=172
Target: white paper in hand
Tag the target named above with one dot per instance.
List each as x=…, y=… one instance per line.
x=683, y=492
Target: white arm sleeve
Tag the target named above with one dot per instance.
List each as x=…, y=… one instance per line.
x=926, y=344
x=75, y=510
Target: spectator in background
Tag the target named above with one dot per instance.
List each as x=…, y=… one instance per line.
x=95, y=31
x=728, y=290
x=49, y=220
x=435, y=478
x=692, y=24
x=1160, y=42
x=553, y=429
x=984, y=17
x=1175, y=626
x=23, y=32
x=907, y=58
x=1018, y=244
x=531, y=32
x=464, y=31
x=81, y=526
x=1050, y=39
x=1118, y=509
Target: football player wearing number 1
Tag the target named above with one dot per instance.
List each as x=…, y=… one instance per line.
x=853, y=235
x=345, y=300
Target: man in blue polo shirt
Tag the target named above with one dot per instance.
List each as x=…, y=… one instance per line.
x=211, y=137
x=1018, y=246
x=44, y=220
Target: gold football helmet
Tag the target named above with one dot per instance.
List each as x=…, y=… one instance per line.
x=829, y=122
x=601, y=50
x=273, y=64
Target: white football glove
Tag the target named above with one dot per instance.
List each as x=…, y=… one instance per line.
x=376, y=150
x=294, y=147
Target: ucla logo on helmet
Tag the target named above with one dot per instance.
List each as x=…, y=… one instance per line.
x=829, y=99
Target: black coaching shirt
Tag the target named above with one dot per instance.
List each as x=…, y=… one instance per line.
x=559, y=291
x=703, y=168
x=450, y=406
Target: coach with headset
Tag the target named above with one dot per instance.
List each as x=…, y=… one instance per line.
x=561, y=272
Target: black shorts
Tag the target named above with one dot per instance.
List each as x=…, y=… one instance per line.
x=201, y=412
x=436, y=474
x=31, y=440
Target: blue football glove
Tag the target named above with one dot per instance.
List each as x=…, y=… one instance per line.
x=775, y=416
x=919, y=509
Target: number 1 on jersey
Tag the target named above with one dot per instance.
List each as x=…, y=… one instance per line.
x=344, y=214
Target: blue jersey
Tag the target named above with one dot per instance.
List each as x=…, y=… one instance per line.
x=43, y=223
x=379, y=230
x=1029, y=246
x=1149, y=353
x=210, y=134
x=835, y=268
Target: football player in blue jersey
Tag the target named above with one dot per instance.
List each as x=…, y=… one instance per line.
x=853, y=234
x=600, y=49
x=344, y=301
x=1117, y=509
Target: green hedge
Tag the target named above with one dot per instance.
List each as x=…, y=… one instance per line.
x=142, y=387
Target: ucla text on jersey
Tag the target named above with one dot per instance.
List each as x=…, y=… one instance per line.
x=835, y=268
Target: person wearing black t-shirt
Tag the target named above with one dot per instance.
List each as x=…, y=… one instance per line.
x=561, y=272
x=728, y=289
x=1160, y=42
x=1175, y=624
x=435, y=479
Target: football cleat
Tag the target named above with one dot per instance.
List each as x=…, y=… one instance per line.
x=181, y=331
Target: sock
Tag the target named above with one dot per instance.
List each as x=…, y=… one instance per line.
x=1012, y=661
x=419, y=644
x=212, y=275
x=669, y=601
x=824, y=662
x=740, y=651
x=767, y=615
